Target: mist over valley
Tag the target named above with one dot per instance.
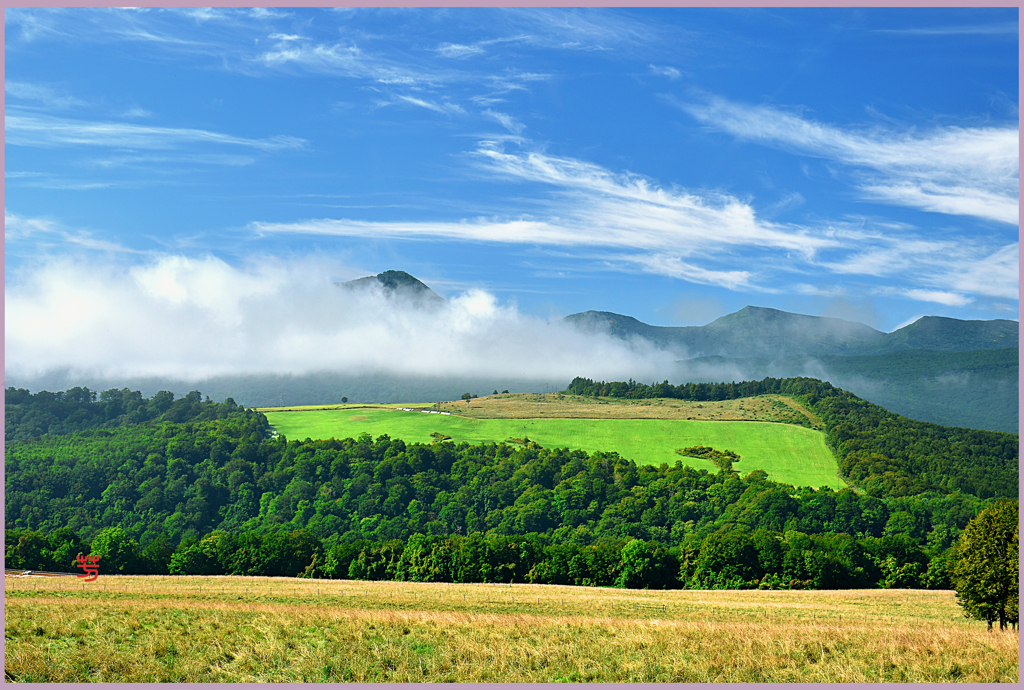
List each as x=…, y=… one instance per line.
x=283, y=333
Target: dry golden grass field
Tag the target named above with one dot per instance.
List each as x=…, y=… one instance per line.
x=762, y=408
x=208, y=629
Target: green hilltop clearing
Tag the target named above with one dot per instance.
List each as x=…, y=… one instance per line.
x=790, y=454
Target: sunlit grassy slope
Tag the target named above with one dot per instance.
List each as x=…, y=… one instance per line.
x=791, y=454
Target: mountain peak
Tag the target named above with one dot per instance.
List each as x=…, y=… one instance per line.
x=945, y=334
x=396, y=283
x=767, y=314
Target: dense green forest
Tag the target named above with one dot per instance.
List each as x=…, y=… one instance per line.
x=28, y=415
x=879, y=451
x=221, y=494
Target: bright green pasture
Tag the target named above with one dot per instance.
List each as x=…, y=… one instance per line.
x=789, y=454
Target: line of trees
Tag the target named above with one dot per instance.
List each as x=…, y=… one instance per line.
x=983, y=566
x=703, y=392
x=737, y=559
x=30, y=415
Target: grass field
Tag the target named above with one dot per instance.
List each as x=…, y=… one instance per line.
x=791, y=454
x=224, y=629
x=761, y=408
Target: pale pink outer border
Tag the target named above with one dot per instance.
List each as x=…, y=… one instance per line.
x=499, y=3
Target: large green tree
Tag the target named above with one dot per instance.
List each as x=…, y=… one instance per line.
x=985, y=570
x=117, y=552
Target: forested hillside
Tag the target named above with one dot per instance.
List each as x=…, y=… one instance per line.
x=976, y=389
x=877, y=450
x=224, y=495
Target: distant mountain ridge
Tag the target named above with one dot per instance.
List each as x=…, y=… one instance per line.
x=764, y=332
x=943, y=334
x=975, y=389
x=936, y=369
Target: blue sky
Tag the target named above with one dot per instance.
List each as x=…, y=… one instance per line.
x=670, y=164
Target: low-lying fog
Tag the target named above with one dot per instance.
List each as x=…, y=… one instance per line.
x=274, y=332
x=195, y=320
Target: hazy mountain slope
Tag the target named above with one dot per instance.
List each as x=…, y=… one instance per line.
x=750, y=332
x=678, y=339
x=977, y=390
x=770, y=331
x=940, y=370
x=943, y=334
x=763, y=332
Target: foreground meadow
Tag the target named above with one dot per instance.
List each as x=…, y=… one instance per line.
x=792, y=454
x=208, y=629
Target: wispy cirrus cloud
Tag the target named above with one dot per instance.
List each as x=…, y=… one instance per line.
x=49, y=181
x=665, y=265
x=444, y=108
x=46, y=96
x=136, y=111
x=706, y=238
x=683, y=220
x=512, y=80
x=952, y=199
x=507, y=121
x=346, y=60
x=647, y=227
x=978, y=270
x=583, y=28
x=664, y=71
x=457, y=50
x=203, y=14
x=460, y=50
x=33, y=23
x=255, y=43
x=971, y=171
x=946, y=271
x=267, y=13
x=944, y=297
x=594, y=207
x=44, y=232
x=18, y=227
x=146, y=160
x=1004, y=28
x=29, y=129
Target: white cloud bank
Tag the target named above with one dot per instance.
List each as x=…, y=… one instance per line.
x=193, y=318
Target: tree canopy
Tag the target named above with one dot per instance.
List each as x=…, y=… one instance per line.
x=222, y=494
x=985, y=572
